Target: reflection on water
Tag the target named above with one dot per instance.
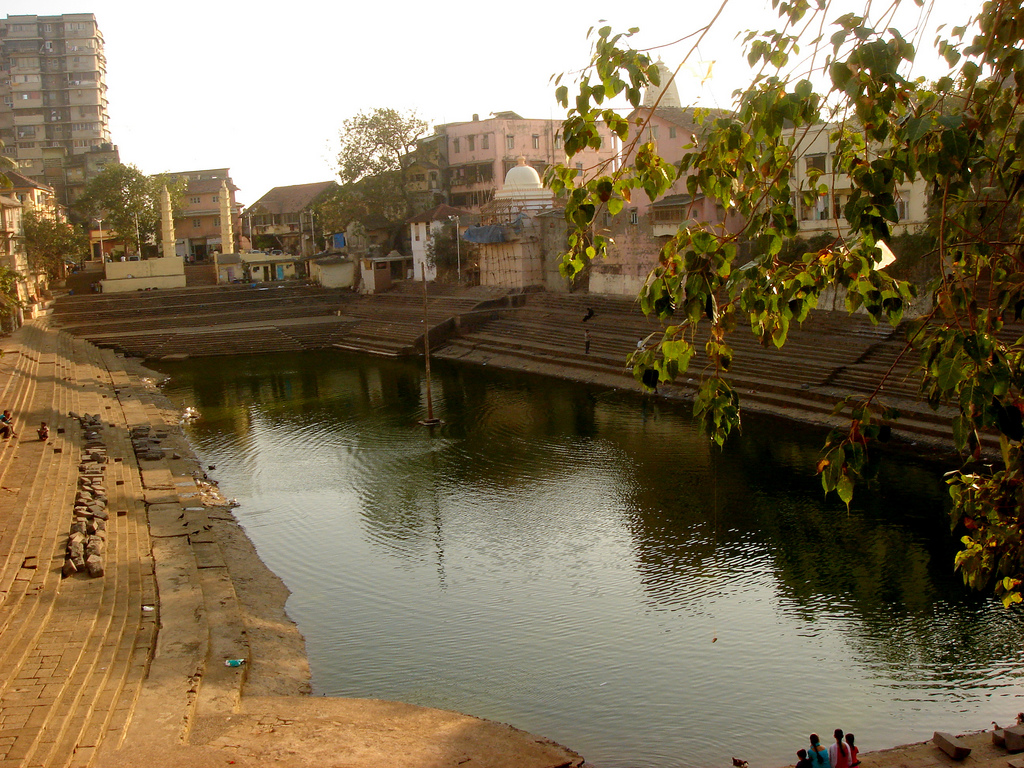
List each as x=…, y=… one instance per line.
x=583, y=565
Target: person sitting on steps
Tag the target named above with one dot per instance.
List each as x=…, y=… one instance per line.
x=6, y=424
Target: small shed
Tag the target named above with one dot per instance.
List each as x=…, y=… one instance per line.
x=268, y=267
x=379, y=272
x=229, y=267
x=333, y=271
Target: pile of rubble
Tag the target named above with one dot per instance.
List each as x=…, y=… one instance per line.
x=147, y=443
x=88, y=537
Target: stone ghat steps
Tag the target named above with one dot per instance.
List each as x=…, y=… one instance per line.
x=197, y=275
x=320, y=307
x=391, y=325
x=72, y=651
x=80, y=662
x=820, y=363
x=201, y=622
x=82, y=302
x=127, y=310
x=283, y=337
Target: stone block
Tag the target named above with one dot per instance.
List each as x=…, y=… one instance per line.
x=1014, y=738
x=951, y=745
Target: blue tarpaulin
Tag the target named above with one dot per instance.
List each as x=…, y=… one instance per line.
x=338, y=240
x=492, y=233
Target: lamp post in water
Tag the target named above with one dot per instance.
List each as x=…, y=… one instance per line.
x=458, y=251
x=430, y=421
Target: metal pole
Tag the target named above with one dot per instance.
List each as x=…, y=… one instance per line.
x=430, y=420
x=458, y=252
x=101, y=239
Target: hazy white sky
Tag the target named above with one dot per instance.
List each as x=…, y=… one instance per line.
x=262, y=87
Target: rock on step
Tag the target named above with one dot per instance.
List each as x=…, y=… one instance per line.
x=951, y=745
x=1014, y=738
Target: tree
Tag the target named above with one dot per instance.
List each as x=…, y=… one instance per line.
x=373, y=158
x=128, y=201
x=50, y=244
x=962, y=134
x=445, y=250
x=6, y=164
x=9, y=301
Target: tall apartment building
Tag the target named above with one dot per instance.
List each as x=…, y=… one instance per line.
x=53, y=91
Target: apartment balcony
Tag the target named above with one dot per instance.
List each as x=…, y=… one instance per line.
x=89, y=97
x=33, y=119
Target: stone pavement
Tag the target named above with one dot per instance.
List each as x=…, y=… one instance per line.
x=128, y=668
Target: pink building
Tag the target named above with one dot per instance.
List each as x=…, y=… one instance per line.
x=480, y=152
x=197, y=228
x=639, y=232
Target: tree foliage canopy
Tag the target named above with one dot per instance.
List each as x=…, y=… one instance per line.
x=128, y=201
x=372, y=163
x=447, y=252
x=50, y=243
x=962, y=134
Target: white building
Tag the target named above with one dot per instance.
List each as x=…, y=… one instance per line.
x=424, y=227
x=511, y=252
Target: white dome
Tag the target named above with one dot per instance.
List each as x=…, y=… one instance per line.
x=523, y=176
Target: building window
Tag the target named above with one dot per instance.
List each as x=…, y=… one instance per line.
x=485, y=141
x=197, y=223
x=536, y=141
x=558, y=141
x=455, y=149
x=471, y=140
x=216, y=198
x=671, y=131
x=579, y=169
x=815, y=161
x=216, y=221
x=902, y=210
x=195, y=200
x=510, y=142
x=634, y=217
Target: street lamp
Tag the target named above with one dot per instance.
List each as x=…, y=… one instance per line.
x=458, y=249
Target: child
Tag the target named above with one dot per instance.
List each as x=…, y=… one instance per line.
x=803, y=761
x=44, y=432
x=854, y=760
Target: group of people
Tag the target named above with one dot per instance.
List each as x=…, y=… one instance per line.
x=7, y=427
x=842, y=754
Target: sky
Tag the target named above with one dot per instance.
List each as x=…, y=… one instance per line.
x=263, y=87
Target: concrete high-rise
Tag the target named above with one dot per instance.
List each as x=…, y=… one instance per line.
x=53, y=90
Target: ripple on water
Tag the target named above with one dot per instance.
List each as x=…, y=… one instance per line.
x=581, y=566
